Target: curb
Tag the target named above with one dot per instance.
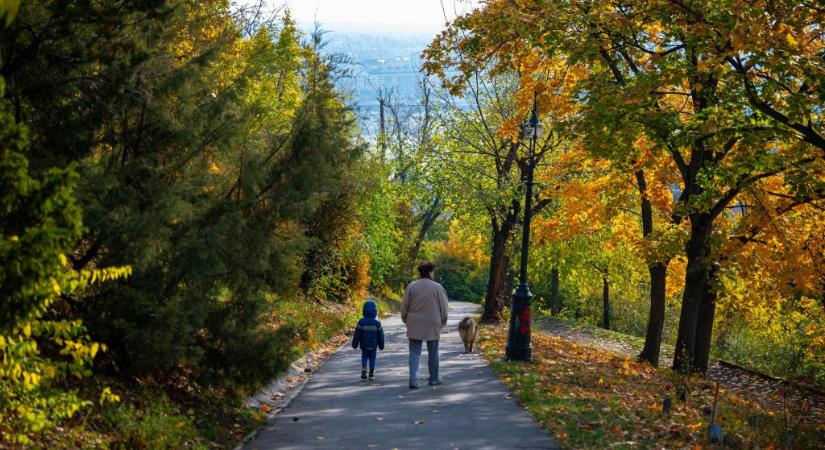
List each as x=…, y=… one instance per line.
x=281, y=391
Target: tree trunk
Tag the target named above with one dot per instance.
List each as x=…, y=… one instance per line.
x=656, y=315
x=427, y=220
x=497, y=280
x=555, y=306
x=505, y=296
x=497, y=285
x=704, y=325
x=605, y=302
x=658, y=280
x=696, y=280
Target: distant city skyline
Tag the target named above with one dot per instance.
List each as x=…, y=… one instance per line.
x=383, y=41
x=414, y=15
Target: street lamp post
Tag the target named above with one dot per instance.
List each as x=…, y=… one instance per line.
x=519, y=347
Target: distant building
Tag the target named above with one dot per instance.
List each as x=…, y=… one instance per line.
x=379, y=62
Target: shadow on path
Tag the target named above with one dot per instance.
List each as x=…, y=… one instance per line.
x=337, y=410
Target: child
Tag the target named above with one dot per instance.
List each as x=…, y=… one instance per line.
x=370, y=336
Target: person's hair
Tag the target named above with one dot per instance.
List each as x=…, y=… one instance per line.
x=425, y=269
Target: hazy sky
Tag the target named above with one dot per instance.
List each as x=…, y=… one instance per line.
x=385, y=12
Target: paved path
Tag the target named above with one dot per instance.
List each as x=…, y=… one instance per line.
x=471, y=410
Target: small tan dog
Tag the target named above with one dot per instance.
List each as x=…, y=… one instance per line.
x=468, y=330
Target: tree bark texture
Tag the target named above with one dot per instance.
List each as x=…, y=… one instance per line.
x=696, y=280
x=658, y=280
x=704, y=324
x=656, y=316
x=555, y=304
x=497, y=282
x=427, y=220
x=505, y=296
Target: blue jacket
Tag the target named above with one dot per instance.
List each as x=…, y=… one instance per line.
x=368, y=332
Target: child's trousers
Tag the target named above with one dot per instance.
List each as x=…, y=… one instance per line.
x=369, y=355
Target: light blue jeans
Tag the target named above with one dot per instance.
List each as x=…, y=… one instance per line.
x=415, y=359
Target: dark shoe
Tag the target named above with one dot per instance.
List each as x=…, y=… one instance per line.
x=413, y=385
x=372, y=376
x=435, y=383
x=363, y=374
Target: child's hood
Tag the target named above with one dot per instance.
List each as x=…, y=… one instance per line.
x=370, y=309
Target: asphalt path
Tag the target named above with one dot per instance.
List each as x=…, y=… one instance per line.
x=338, y=410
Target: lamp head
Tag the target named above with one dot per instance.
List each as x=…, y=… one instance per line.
x=532, y=127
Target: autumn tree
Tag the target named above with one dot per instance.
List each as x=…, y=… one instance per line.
x=634, y=155
x=481, y=164
x=638, y=163
x=772, y=284
x=590, y=228
x=667, y=67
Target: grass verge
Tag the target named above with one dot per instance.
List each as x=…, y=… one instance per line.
x=594, y=399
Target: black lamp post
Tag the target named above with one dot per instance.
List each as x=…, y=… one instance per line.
x=519, y=347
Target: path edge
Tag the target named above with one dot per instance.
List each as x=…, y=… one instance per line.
x=281, y=385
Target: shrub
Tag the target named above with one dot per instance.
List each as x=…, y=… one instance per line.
x=39, y=223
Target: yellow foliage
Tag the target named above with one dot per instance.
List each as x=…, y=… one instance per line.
x=463, y=244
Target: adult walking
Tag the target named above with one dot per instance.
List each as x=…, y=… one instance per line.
x=424, y=311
